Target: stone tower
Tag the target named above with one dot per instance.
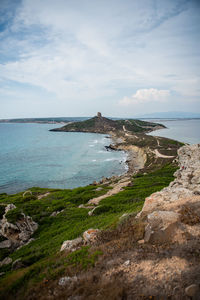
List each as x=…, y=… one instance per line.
x=99, y=115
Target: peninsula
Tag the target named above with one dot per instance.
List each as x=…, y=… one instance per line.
x=100, y=124
x=144, y=151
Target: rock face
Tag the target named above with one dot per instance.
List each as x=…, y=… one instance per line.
x=173, y=214
x=161, y=226
x=186, y=184
x=16, y=234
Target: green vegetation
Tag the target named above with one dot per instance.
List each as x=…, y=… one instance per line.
x=2, y=211
x=41, y=257
x=105, y=125
x=14, y=215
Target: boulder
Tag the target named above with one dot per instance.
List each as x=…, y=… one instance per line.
x=90, y=235
x=161, y=226
x=71, y=245
x=6, y=261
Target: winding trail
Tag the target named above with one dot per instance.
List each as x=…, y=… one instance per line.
x=158, y=154
x=117, y=187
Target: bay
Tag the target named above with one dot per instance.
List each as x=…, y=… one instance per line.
x=31, y=155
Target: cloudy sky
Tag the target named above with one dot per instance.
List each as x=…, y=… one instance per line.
x=77, y=57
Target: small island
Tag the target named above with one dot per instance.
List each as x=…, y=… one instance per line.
x=100, y=124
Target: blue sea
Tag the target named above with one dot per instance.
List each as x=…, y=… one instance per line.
x=31, y=155
x=183, y=130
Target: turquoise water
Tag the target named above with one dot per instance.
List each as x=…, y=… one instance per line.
x=186, y=131
x=31, y=155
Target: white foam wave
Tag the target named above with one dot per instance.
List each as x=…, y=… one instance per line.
x=110, y=159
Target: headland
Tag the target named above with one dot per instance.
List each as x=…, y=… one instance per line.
x=134, y=236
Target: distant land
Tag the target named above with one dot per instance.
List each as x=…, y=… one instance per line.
x=65, y=120
x=50, y=120
x=171, y=115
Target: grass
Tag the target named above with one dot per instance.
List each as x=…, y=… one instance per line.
x=42, y=258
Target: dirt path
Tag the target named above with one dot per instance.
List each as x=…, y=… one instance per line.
x=158, y=154
x=116, y=189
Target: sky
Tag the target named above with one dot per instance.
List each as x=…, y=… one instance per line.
x=121, y=57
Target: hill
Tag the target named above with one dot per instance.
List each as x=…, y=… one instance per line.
x=100, y=124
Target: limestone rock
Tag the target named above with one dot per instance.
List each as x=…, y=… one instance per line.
x=91, y=212
x=71, y=245
x=63, y=281
x=55, y=213
x=9, y=207
x=90, y=235
x=127, y=262
x=5, y=244
x=192, y=290
x=161, y=226
x=19, y=233
x=6, y=261
x=185, y=185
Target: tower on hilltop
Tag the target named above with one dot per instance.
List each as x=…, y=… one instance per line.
x=99, y=115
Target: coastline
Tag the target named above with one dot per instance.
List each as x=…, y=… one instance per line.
x=77, y=212
x=136, y=146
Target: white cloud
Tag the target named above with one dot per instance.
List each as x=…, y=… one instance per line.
x=100, y=51
x=146, y=96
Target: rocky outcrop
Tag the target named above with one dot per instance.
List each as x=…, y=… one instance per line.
x=5, y=261
x=186, y=183
x=173, y=214
x=63, y=281
x=90, y=235
x=72, y=245
x=16, y=234
x=161, y=226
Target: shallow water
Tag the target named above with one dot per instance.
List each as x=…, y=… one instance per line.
x=183, y=130
x=31, y=155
